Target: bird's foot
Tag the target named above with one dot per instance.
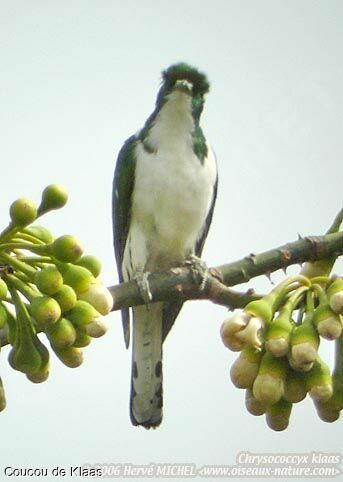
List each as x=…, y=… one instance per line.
x=143, y=286
x=199, y=270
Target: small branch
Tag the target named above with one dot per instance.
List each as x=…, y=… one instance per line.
x=179, y=282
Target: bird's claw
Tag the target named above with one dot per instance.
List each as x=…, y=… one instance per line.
x=199, y=270
x=143, y=286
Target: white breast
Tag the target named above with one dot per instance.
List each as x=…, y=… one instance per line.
x=172, y=194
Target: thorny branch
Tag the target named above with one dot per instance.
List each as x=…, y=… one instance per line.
x=180, y=282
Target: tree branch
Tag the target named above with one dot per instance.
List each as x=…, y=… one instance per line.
x=179, y=282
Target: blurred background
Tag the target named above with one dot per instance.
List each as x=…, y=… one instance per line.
x=79, y=77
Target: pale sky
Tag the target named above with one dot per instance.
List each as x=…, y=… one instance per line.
x=79, y=77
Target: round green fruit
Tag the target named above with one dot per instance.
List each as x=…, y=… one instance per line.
x=67, y=248
x=54, y=196
x=49, y=280
x=45, y=310
x=72, y=357
x=91, y=263
x=82, y=313
x=61, y=334
x=22, y=212
x=77, y=277
x=66, y=298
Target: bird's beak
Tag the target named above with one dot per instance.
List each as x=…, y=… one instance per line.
x=184, y=86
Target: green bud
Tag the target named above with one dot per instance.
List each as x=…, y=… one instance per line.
x=61, y=334
x=269, y=384
x=40, y=232
x=319, y=382
x=24, y=356
x=22, y=212
x=335, y=295
x=304, y=344
x=245, y=368
x=82, y=313
x=278, y=335
x=54, y=196
x=45, y=310
x=77, y=277
x=254, y=406
x=327, y=322
x=329, y=410
x=3, y=317
x=72, y=357
x=49, y=280
x=66, y=298
x=42, y=374
x=91, y=263
x=67, y=248
x=295, y=388
x=3, y=289
x=277, y=415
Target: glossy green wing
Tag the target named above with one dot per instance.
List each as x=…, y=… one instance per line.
x=123, y=182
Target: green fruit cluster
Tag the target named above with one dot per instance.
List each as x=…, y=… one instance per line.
x=47, y=286
x=278, y=337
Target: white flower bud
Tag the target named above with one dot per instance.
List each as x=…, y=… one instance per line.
x=303, y=354
x=321, y=393
x=97, y=328
x=250, y=334
x=231, y=326
x=98, y=296
x=268, y=388
x=336, y=301
x=330, y=328
x=254, y=406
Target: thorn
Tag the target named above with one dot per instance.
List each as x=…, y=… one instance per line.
x=270, y=278
x=299, y=236
x=284, y=270
x=251, y=257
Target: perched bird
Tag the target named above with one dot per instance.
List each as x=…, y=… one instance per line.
x=164, y=191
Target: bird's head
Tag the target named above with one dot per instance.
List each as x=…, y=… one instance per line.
x=186, y=80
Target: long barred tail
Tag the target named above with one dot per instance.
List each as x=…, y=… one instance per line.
x=146, y=375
